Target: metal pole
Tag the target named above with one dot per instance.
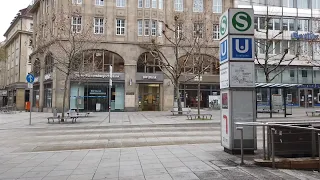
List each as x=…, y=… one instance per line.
x=269, y=142
x=110, y=86
x=272, y=151
x=319, y=151
x=241, y=144
x=313, y=144
x=31, y=101
x=264, y=142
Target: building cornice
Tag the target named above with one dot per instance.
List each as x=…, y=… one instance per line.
x=16, y=34
x=20, y=17
x=34, y=6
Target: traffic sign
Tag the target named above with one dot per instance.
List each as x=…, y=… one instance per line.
x=30, y=78
x=241, y=21
x=223, y=25
x=30, y=85
x=224, y=50
x=242, y=48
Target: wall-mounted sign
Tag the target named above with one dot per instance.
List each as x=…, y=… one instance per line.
x=149, y=77
x=3, y=93
x=304, y=36
x=47, y=77
x=224, y=76
x=97, y=75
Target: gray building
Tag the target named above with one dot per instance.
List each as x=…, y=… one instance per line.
x=298, y=23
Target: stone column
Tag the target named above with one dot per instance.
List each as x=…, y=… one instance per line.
x=130, y=88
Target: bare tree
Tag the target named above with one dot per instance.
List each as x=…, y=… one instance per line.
x=69, y=38
x=182, y=41
x=273, y=64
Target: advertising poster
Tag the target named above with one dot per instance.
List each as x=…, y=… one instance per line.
x=242, y=74
x=225, y=120
x=224, y=76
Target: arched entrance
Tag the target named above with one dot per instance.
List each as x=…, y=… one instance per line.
x=149, y=80
x=208, y=68
x=90, y=87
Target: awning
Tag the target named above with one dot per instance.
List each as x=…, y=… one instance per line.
x=275, y=85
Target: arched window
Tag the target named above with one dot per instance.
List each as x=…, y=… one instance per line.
x=203, y=63
x=36, y=68
x=48, y=63
x=148, y=63
x=100, y=60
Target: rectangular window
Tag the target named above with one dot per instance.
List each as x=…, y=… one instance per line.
x=303, y=4
x=178, y=5
x=262, y=21
x=216, y=35
x=99, y=2
x=217, y=6
x=288, y=3
x=288, y=24
x=154, y=4
x=76, y=1
x=179, y=30
x=160, y=4
x=153, y=28
x=262, y=46
x=147, y=3
x=159, y=29
x=197, y=5
x=304, y=73
x=276, y=24
x=140, y=3
x=292, y=73
x=121, y=3
x=146, y=27
x=256, y=23
x=303, y=25
x=292, y=47
x=140, y=27
x=120, y=24
x=274, y=3
x=277, y=45
x=198, y=30
x=98, y=26
x=315, y=4
x=76, y=24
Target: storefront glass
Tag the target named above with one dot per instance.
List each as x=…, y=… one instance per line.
x=36, y=96
x=48, y=95
x=94, y=97
x=149, y=97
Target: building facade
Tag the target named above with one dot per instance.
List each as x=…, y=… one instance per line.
x=121, y=27
x=18, y=47
x=293, y=25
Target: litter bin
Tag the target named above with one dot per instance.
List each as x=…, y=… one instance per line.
x=27, y=106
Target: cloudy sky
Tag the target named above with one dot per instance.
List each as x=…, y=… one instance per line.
x=8, y=10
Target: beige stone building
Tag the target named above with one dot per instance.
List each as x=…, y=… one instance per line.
x=114, y=31
x=18, y=47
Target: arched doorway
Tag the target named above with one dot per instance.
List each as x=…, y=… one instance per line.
x=90, y=89
x=208, y=68
x=149, y=80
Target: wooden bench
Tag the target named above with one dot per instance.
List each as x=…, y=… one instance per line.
x=184, y=111
x=313, y=113
x=73, y=118
x=195, y=116
x=79, y=114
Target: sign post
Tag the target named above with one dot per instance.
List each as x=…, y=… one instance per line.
x=110, y=88
x=30, y=80
x=237, y=81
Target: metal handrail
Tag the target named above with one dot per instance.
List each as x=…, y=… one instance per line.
x=273, y=131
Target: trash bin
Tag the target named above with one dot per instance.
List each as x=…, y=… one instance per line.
x=27, y=106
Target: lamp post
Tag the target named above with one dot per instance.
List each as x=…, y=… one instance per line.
x=110, y=86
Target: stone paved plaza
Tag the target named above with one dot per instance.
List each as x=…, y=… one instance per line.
x=136, y=145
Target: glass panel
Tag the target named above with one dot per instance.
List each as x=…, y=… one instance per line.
x=118, y=65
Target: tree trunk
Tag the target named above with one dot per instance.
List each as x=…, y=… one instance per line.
x=198, y=94
x=64, y=97
x=177, y=93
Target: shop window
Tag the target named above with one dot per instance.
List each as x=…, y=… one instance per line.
x=147, y=63
x=304, y=73
x=48, y=64
x=48, y=95
x=203, y=64
x=100, y=61
x=291, y=73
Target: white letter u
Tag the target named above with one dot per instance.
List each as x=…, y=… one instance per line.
x=246, y=46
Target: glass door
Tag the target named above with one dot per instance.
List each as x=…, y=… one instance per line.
x=302, y=97
x=309, y=102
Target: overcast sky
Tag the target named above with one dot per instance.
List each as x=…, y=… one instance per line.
x=8, y=10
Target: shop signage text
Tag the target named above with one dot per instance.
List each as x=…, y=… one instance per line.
x=97, y=75
x=305, y=36
x=149, y=77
